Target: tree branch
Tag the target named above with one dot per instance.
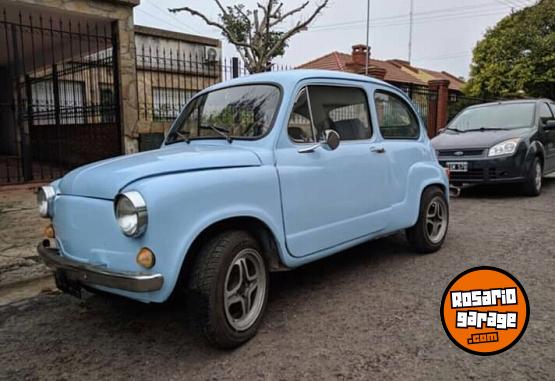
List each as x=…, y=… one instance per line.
x=226, y=31
x=279, y=19
x=221, y=7
x=297, y=29
x=253, y=32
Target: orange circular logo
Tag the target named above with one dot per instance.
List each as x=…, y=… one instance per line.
x=485, y=311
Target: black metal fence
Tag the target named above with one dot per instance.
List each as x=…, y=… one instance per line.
x=424, y=99
x=58, y=95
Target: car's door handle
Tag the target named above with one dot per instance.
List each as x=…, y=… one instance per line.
x=377, y=149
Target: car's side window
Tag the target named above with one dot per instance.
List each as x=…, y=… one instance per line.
x=545, y=112
x=319, y=108
x=300, y=122
x=395, y=117
x=343, y=109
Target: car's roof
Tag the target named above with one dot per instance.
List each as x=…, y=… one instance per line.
x=527, y=100
x=294, y=76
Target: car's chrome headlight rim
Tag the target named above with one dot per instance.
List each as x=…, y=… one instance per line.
x=131, y=213
x=45, y=196
x=507, y=147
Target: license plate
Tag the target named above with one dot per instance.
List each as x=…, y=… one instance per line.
x=458, y=166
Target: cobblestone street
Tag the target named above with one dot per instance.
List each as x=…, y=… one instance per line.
x=371, y=312
x=21, y=231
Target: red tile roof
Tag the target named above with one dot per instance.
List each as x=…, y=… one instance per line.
x=396, y=70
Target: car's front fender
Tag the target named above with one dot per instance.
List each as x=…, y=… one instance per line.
x=181, y=206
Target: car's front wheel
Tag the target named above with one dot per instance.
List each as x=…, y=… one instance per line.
x=532, y=186
x=228, y=289
x=430, y=230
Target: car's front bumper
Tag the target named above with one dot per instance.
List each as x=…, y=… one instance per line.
x=90, y=275
x=487, y=170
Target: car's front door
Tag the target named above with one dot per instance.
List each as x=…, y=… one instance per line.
x=331, y=197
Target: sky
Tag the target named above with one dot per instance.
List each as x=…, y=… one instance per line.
x=444, y=31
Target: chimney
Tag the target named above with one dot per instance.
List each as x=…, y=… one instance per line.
x=359, y=54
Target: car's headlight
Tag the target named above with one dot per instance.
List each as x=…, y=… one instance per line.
x=508, y=147
x=45, y=196
x=131, y=213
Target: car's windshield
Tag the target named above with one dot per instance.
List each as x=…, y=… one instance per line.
x=233, y=112
x=499, y=116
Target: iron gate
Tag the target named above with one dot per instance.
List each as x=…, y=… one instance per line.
x=59, y=95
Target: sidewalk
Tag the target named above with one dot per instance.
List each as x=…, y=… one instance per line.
x=20, y=232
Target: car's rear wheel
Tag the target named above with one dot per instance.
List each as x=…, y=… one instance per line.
x=228, y=289
x=428, y=234
x=533, y=184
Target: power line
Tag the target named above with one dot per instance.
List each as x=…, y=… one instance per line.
x=179, y=26
x=444, y=57
x=354, y=26
x=439, y=12
x=166, y=13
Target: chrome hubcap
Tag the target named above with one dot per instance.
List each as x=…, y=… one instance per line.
x=245, y=289
x=538, y=178
x=436, y=220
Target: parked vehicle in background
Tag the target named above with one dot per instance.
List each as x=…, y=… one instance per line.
x=263, y=173
x=501, y=142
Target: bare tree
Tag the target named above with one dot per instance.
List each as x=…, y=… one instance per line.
x=257, y=36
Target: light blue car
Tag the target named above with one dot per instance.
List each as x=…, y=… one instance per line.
x=259, y=174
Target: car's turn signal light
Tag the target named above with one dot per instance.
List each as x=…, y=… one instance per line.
x=49, y=232
x=146, y=258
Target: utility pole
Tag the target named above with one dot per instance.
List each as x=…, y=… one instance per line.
x=410, y=28
x=367, y=37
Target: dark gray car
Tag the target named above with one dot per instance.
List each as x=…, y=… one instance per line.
x=501, y=142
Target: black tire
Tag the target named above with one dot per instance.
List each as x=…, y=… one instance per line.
x=208, y=282
x=419, y=236
x=531, y=187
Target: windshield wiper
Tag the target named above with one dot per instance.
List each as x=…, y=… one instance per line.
x=488, y=129
x=455, y=129
x=223, y=132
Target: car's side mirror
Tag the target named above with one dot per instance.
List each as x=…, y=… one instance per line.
x=549, y=124
x=331, y=141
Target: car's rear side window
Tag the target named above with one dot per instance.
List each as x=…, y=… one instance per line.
x=319, y=108
x=395, y=117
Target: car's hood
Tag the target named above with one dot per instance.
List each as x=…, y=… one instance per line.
x=476, y=139
x=104, y=179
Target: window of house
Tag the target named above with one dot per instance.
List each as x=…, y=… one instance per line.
x=319, y=108
x=108, y=107
x=396, y=119
x=168, y=102
x=71, y=102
